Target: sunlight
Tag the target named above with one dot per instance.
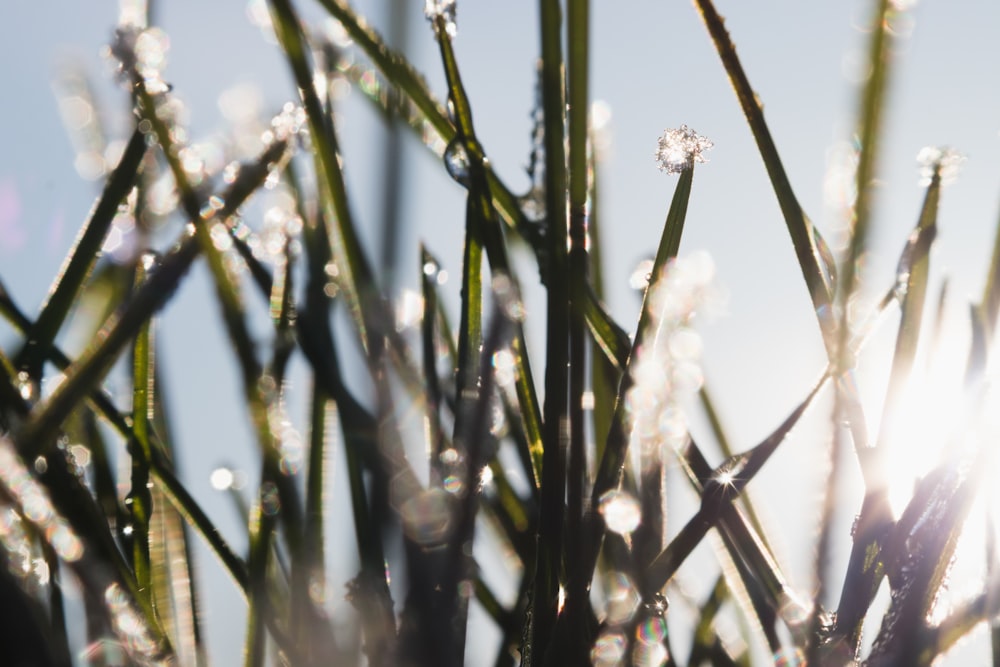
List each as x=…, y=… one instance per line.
x=929, y=414
x=937, y=417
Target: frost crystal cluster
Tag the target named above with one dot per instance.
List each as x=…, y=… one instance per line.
x=947, y=160
x=445, y=10
x=677, y=150
x=667, y=369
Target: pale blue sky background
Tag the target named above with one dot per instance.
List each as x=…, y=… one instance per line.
x=655, y=66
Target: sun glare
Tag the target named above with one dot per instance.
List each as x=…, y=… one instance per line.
x=930, y=416
x=939, y=420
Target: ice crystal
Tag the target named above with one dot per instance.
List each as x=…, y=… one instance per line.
x=444, y=10
x=142, y=52
x=677, y=150
x=945, y=160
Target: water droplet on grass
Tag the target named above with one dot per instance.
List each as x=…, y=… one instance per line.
x=621, y=511
x=270, y=502
x=427, y=516
x=222, y=479
x=623, y=599
x=639, y=279
x=609, y=650
x=456, y=161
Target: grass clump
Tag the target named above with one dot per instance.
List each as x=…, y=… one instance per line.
x=563, y=469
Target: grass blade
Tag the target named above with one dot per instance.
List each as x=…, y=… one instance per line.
x=574, y=646
x=727, y=482
x=612, y=463
x=864, y=573
x=548, y=564
x=804, y=236
x=82, y=258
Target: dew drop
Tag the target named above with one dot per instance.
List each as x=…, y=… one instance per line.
x=609, y=650
x=25, y=386
x=504, y=366
x=639, y=279
x=621, y=511
x=789, y=657
x=623, y=599
x=456, y=161
x=270, y=503
x=426, y=516
x=452, y=484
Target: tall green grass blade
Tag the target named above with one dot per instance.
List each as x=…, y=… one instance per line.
x=991, y=289
x=82, y=258
x=576, y=644
x=605, y=376
x=407, y=80
x=175, y=492
x=228, y=295
x=86, y=372
x=869, y=133
x=356, y=277
x=548, y=565
x=40, y=430
x=311, y=571
x=139, y=502
x=611, y=464
x=804, y=236
x=261, y=530
x=610, y=338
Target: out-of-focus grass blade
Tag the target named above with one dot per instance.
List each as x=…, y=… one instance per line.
x=370, y=593
x=605, y=374
x=82, y=258
x=963, y=619
x=800, y=229
x=356, y=277
x=869, y=134
x=401, y=74
x=429, y=347
x=175, y=492
x=39, y=431
x=991, y=290
x=142, y=305
x=611, y=464
x=261, y=529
